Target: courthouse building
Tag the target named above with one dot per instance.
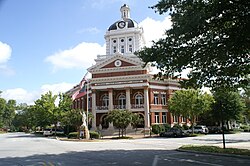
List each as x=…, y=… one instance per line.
x=119, y=80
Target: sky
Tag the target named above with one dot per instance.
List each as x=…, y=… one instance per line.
x=48, y=45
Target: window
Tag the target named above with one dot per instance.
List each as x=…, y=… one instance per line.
x=183, y=119
x=130, y=48
x=156, y=98
x=157, y=120
x=163, y=99
x=122, y=49
x=122, y=101
x=175, y=118
x=164, y=117
x=114, y=49
x=105, y=101
x=139, y=99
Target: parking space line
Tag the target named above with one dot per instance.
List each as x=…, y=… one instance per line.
x=155, y=160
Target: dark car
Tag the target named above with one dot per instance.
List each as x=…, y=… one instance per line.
x=173, y=132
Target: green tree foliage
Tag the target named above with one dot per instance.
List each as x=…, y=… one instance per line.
x=9, y=113
x=211, y=37
x=137, y=120
x=190, y=103
x=73, y=118
x=121, y=119
x=2, y=109
x=46, y=110
x=228, y=106
x=246, y=98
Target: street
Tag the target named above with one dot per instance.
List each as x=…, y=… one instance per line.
x=26, y=149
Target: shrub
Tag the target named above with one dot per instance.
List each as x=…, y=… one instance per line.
x=185, y=127
x=94, y=134
x=245, y=128
x=73, y=135
x=166, y=126
x=177, y=126
x=158, y=128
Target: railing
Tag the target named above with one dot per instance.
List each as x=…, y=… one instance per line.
x=136, y=106
x=119, y=107
x=102, y=107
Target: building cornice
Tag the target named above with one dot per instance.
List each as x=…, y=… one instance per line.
x=123, y=78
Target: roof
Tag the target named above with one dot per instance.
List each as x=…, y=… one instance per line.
x=129, y=22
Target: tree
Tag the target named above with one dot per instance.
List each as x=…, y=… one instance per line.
x=228, y=106
x=246, y=98
x=136, y=121
x=121, y=119
x=204, y=38
x=2, y=109
x=9, y=113
x=190, y=103
x=46, y=112
x=73, y=118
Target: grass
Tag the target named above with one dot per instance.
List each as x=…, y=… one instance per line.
x=216, y=149
x=1, y=132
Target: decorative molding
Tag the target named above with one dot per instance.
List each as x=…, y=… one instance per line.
x=119, y=86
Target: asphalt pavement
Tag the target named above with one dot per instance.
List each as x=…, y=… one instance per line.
x=27, y=149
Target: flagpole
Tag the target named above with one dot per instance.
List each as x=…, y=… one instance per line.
x=87, y=112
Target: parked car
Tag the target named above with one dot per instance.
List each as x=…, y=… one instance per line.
x=199, y=129
x=49, y=132
x=173, y=132
x=214, y=129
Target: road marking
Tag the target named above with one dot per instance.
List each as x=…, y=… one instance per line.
x=192, y=161
x=155, y=160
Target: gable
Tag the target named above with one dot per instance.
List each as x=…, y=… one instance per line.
x=117, y=63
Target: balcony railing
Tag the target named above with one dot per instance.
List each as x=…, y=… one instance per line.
x=136, y=106
x=119, y=107
x=102, y=107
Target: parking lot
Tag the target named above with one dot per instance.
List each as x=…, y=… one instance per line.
x=26, y=149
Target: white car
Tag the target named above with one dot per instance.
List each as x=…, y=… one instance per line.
x=48, y=132
x=199, y=129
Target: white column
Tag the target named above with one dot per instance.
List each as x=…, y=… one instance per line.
x=128, y=103
x=111, y=100
x=93, y=110
x=146, y=108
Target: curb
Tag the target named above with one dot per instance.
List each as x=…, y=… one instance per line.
x=216, y=154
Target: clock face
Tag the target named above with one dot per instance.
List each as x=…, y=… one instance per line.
x=121, y=24
x=118, y=63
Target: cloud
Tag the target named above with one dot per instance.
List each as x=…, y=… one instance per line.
x=20, y=95
x=23, y=96
x=56, y=88
x=92, y=30
x=154, y=29
x=80, y=56
x=5, y=53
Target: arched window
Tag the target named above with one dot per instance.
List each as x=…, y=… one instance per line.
x=139, y=99
x=122, y=101
x=105, y=100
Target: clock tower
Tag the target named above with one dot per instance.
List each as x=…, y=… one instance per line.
x=124, y=35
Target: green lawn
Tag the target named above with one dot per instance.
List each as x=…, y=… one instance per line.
x=216, y=149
